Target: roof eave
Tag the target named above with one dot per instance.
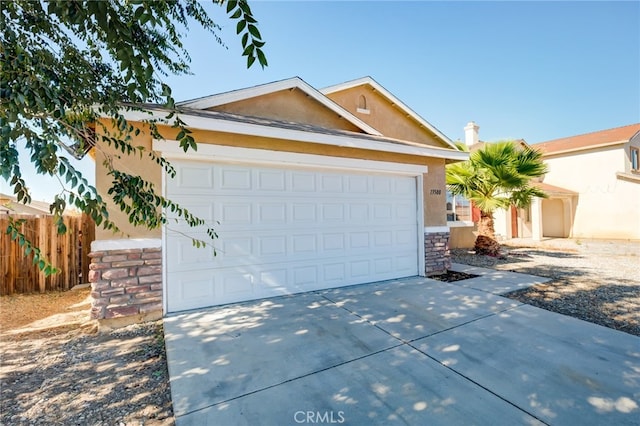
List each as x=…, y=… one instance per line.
x=259, y=130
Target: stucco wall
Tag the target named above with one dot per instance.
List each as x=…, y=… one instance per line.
x=384, y=117
x=289, y=105
x=607, y=205
x=133, y=164
x=462, y=235
x=435, y=193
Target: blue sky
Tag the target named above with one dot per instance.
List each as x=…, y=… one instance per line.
x=533, y=70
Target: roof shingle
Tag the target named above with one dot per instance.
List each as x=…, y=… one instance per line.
x=589, y=140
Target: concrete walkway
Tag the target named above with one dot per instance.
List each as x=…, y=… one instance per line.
x=414, y=351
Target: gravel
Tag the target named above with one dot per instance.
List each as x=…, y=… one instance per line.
x=595, y=281
x=71, y=375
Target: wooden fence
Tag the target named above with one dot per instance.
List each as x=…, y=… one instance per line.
x=68, y=252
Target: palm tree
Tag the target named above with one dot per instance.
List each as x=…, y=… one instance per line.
x=496, y=176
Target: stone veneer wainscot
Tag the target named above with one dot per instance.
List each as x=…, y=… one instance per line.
x=437, y=258
x=126, y=279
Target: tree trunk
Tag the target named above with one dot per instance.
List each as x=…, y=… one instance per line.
x=485, y=225
x=485, y=242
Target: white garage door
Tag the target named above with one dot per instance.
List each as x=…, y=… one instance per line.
x=284, y=231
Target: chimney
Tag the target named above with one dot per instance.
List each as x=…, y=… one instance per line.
x=471, y=133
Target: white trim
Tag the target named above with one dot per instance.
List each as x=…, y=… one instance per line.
x=242, y=128
x=230, y=154
x=276, y=86
x=422, y=267
x=434, y=229
x=363, y=111
x=165, y=262
x=126, y=244
x=391, y=98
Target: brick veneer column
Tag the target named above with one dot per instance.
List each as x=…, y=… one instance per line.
x=437, y=258
x=126, y=282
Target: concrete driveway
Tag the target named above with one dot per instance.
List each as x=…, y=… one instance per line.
x=413, y=351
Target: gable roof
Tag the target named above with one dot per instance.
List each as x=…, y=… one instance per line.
x=392, y=99
x=276, y=86
x=615, y=136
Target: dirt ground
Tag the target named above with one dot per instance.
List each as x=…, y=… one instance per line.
x=55, y=369
x=28, y=312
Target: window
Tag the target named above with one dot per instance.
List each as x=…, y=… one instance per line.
x=458, y=208
x=634, y=154
x=362, y=105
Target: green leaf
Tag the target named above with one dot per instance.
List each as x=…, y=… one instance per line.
x=240, y=26
x=262, y=58
x=231, y=5
x=254, y=31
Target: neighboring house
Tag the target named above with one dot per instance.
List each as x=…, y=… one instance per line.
x=593, y=185
x=600, y=173
x=311, y=188
x=10, y=205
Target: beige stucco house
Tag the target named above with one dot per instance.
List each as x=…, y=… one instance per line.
x=600, y=177
x=593, y=184
x=307, y=189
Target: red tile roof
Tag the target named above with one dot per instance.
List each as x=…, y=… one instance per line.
x=589, y=140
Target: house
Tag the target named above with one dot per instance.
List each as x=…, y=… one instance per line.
x=307, y=189
x=600, y=174
x=9, y=205
x=593, y=184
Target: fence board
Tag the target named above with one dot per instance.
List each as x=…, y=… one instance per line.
x=69, y=252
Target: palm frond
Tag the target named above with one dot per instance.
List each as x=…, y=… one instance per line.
x=497, y=176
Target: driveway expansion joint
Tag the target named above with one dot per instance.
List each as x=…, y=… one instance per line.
x=480, y=386
x=294, y=379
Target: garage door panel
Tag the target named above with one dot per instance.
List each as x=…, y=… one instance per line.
x=236, y=213
x=302, y=182
x=191, y=178
x=188, y=289
x=287, y=230
x=237, y=285
x=233, y=178
x=331, y=183
x=203, y=209
x=273, y=245
x=271, y=213
x=382, y=185
x=271, y=180
x=357, y=184
x=183, y=255
x=303, y=213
